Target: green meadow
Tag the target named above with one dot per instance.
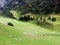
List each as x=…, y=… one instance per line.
x=29, y=33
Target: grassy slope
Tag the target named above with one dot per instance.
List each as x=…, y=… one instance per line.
x=25, y=33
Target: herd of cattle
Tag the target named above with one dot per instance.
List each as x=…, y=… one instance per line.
x=28, y=18
x=37, y=19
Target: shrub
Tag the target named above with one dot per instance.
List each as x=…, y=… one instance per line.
x=10, y=24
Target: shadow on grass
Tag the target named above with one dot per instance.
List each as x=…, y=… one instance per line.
x=45, y=25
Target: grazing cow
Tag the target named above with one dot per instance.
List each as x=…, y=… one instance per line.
x=26, y=18
x=37, y=18
x=38, y=22
x=44, y=20
x=40, y=18
x=49, y=18
x=53, y=19
x=21, y=18
x=10, y=24
x=32, y=18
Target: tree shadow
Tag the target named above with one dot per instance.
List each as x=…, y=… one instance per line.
x=47, y=26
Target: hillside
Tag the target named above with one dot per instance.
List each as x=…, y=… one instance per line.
x=26, y=33
x=29, y=22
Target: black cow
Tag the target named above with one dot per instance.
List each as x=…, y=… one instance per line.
x=26, y=18
x=53, y=19
x=49, y=18
x=41, y=18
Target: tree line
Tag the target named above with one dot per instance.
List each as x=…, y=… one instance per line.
x=40, y=6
